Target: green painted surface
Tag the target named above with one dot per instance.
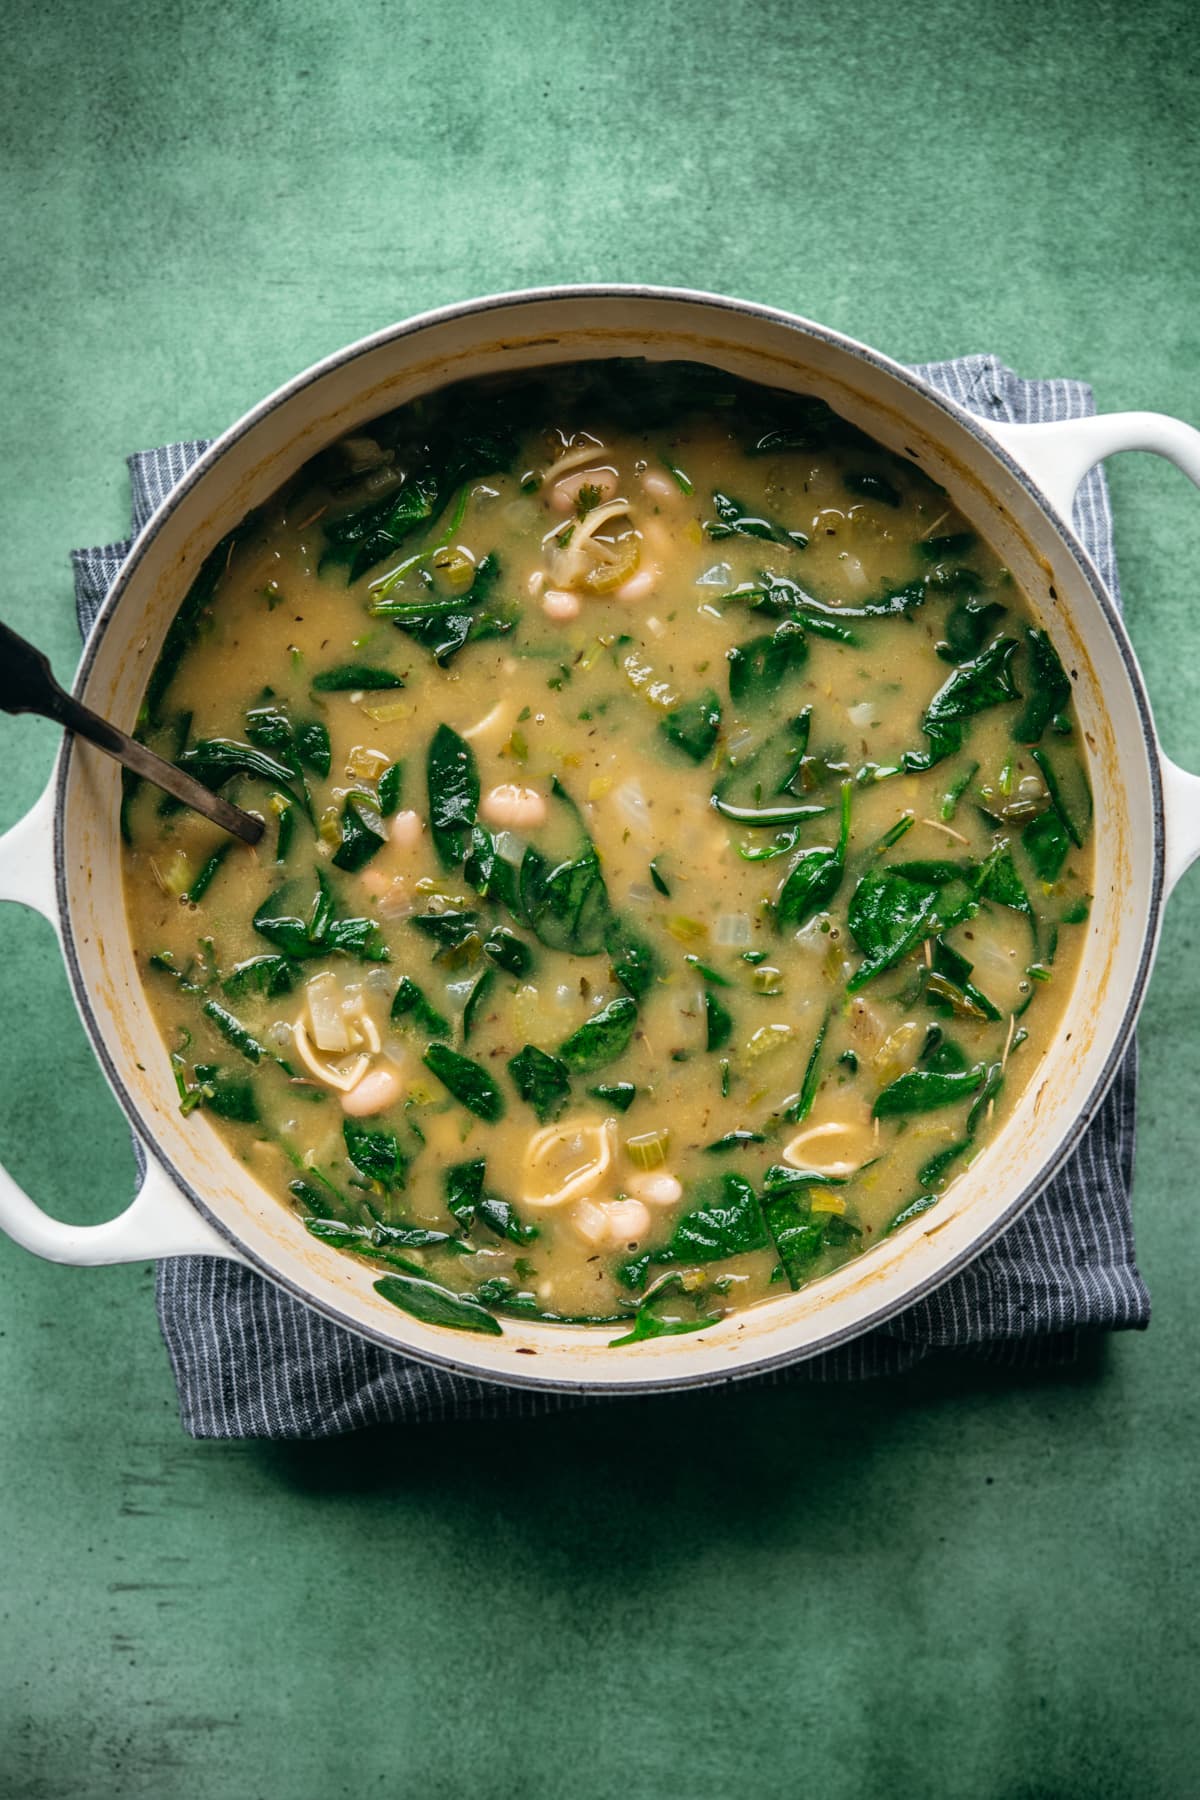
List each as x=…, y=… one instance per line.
x=959, y=1584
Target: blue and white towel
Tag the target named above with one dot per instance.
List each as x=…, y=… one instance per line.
x=250, y=1361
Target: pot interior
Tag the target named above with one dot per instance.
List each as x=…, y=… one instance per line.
x=257, y=456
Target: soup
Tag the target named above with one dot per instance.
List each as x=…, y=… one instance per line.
x=677, y=852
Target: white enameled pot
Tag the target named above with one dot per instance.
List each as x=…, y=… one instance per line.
x=1015, y=483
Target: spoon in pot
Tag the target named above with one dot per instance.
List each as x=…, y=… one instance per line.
x=27, y=685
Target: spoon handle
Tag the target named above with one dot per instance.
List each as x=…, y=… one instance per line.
x=27, y=685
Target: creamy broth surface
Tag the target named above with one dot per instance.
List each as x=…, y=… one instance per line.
x=677, y=851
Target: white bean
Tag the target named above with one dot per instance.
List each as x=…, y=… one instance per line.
x=628, y=1222
x=656, y=1187
x=561, y=605
x=406, y=830
x=519, y=808
x=638, y=587
x=660, y=487
x=378, y=1089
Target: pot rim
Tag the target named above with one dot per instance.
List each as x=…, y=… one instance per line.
x=959, y=416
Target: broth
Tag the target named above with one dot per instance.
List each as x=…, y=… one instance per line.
x=676, y=859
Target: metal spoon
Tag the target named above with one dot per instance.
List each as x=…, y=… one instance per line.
x=27, y=685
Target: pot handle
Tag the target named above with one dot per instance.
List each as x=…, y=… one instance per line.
x=1057, y=455
x=158, y=1221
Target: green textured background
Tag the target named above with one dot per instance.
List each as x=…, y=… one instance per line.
x=957, y=1584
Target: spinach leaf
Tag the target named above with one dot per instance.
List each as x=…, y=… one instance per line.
x=410, y=1004
x=740, y=1139
x=463, y=1186
x=453, y=784
x=1047, y=840
x=727, y=1221
x=872, y=486
x=780, y=597
x=204, y=879
x=467, y=1201
x=913, y=1210
x=265, y=975
x=542, y=1081
x=382, y=1242
x=733, y=520
x=235, y=1032
x=801, y=1235
x=767, y=817
x=501, y=1218
x=376, y=1155
x=814, y=877
x=1049, y=688
x=475, y=1000
x=313, y=747
x=348, y=677
x=436, y=1305
x=648, y=1323
x=634, y=962
x=968, y=628
x=949, y=988
x=390, y=788
x=620, y=1094
x=694, y=726
x=758, y=668
x=567, y=904
x=718, y=1022
x=233, y=1100
x=450, y=929
x=221, y=1094
x=888, y=915
x=214, y=761
x=932, y=1174
x=363, y=834
x=797, y=1110
x=924, y=1090
x=270, y=727
x=984, y=682
x=1046, y=767
x=443, y=626
x=469, y=1082
x=320, y=933
x=799, y=1238
x=601, y=1039
x=491, y=875
x=1003, y=885
x=508, y=952
x=1046, y=844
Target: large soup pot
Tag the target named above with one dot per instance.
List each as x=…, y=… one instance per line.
x=1014, y=482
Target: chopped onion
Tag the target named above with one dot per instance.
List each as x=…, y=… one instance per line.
x=863, y=714
x=379, y=981
x=732, y=930
x=641, y=893
x=741, y=740
x=280, y=1033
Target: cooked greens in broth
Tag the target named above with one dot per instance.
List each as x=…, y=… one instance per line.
x=677, y=854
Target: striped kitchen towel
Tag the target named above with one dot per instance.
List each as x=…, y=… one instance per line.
x=250, y=1361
